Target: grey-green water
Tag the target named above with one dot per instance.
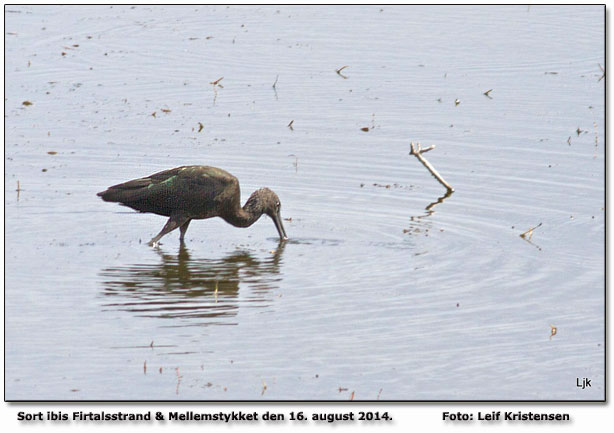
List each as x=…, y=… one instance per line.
x=381, y=291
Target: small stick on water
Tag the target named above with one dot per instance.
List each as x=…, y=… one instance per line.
x=602, y=70
x=417, y=151
x=216, y=84
x=295, y=163
x=275, y=86
x=178, y=380
x=529, y=233
x=338, y=71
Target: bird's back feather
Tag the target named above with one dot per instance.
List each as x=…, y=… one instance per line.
x=199, y=191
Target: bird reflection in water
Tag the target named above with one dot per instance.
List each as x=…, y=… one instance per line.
x=197, y=291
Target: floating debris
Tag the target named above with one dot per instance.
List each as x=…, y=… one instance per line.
x=552, y=331
x=487, y=93
x=165, y=110
x=178, y=380
x=456, y=101
x=26, y=103
x=529, y=233
x=602, y=70
x=275, y=83
x=338, y=71
x=263, y=387
x=365, y=129
x=216, y=84
x=290, y=125
x=200, y=126
x=52, y=152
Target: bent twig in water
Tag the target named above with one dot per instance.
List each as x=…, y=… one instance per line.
x=529, y=233
x=417, y=151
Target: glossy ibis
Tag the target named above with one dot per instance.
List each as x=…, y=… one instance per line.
x=195, y=192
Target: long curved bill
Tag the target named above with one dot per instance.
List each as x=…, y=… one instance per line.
x=280, y=227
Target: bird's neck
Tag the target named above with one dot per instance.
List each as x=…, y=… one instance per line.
x=248, y=215
x=243, y=218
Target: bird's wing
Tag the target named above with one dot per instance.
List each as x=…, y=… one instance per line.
x=208, y=189
x=191, y=189
x=132, y=190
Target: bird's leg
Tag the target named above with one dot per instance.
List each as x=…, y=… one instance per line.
x=183, y=229
x=173, y=222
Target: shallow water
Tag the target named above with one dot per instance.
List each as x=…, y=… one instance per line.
x=387, y=288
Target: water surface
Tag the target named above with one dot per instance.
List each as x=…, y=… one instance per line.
x=387, y=288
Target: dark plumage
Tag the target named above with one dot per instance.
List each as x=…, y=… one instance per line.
x=195, y=192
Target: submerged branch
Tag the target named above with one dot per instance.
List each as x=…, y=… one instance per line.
x=417, y=151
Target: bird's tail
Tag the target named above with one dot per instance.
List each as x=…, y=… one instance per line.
x=113, y=195
x=126, y=192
